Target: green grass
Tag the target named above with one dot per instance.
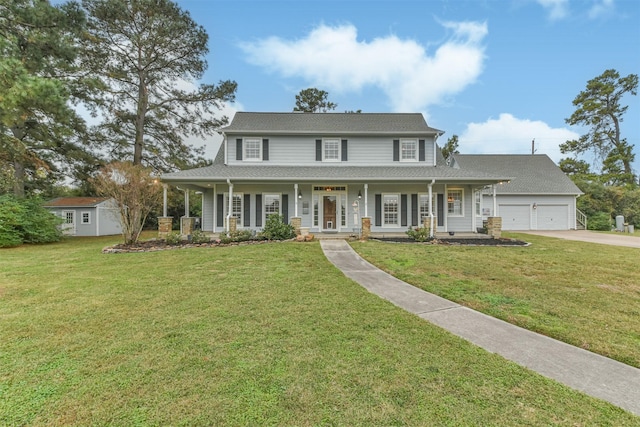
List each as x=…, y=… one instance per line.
x=584, y=294
x=247, y=335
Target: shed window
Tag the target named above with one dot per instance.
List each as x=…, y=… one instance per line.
x=86, y=217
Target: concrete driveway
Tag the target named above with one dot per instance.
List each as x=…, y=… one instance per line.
x=619, y=239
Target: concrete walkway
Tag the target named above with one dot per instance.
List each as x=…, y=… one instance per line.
x=588, y=372
x=618, y=239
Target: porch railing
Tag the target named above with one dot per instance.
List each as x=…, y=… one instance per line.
x=581, y=220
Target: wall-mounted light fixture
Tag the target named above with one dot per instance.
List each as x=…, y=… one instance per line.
x=359, y=194
x=299, y=194
x=535, y=206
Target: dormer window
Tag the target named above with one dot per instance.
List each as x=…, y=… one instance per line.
x=252, y=149
x=331, y=152
x=408, y=150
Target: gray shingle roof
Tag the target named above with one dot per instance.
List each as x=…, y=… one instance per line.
x=330, y=123
x=218, y=171
x=536, y=174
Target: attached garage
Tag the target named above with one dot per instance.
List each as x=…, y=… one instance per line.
x=553, y=217
x=515, y=217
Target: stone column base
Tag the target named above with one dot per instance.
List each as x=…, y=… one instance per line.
x=494, y=226
x=186, y=225
x=296, y=222
x=165, y=225
x=232, y=226
x=366, y=228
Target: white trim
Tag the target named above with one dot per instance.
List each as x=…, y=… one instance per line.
x=456, y=189
x=324, y=150
x=416, y=150
x=245, y=158
x=264, y=205
x=398, y=207
x=82, y=221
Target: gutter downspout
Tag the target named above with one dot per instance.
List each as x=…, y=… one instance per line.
x=230, y=207
x=431, y=233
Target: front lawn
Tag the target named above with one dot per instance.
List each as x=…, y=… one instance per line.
x=584, y=294
x=247, y=335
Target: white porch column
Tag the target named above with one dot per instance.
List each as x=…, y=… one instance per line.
x=164, y=200
x=186, y=202
x=295, y=194
x=230, y=203
x=366, y=200
x=431, y=233
x=495, y=202
x=214, y=207
x=446, y=208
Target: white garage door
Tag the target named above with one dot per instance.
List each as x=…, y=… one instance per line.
x=553, y=217
x=515, y=217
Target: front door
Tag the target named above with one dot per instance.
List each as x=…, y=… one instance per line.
x=69, y=223
x=329, y=217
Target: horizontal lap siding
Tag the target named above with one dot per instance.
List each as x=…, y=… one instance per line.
x=365, y=151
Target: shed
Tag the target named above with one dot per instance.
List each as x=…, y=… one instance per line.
x=87, y=216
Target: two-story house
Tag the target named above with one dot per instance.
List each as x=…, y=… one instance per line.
x=331, y=170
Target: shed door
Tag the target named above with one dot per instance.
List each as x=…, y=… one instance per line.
x=553, y=217
x=515, y=217
x=69, y=224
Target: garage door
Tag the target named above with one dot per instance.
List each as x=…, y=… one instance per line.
x=515, y=217
x=553, y=217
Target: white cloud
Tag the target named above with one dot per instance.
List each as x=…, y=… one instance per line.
x=558, y=9
x=333, y=59
x=510, y=135
x=601, y=8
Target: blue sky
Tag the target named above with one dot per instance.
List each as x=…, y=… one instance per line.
x=496, y=73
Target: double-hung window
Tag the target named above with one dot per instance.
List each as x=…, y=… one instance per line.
x=331, y=150
x=236, y=206
x=390, y=209
x=408, y=150
x=271, y=205
x=86, y=217
x=455, y=205
x=252, y=149
x=423, y=205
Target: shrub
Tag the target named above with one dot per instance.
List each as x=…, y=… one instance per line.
x=600, y=221
x=26, y=221
x=173, y=238
x=199, y=236
x=419, y=234
x=276, y=229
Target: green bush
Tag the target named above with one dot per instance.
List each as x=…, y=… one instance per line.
x=419, y=234
x=600, y=221
x=26, y=221
x=276, y=229
x=199, y=236
x=173, y=238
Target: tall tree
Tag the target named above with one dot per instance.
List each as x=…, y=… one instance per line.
x=599, y=108
x=149, y=55
x=314, y=100
x=451, y=147
x=38, y=78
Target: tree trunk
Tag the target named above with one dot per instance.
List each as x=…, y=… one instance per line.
x=18, y=175
x=143, y=101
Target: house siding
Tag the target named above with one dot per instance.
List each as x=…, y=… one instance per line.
x=362, y=150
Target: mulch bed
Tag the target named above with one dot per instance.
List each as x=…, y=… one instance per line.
x=457, y=242
x=161, y=245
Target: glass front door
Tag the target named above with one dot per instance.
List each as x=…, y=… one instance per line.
x=329, y=210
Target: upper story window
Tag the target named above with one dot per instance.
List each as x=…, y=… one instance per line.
x=331, y=150
x=455, y=205
x=408, y=150
x=252, y=149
